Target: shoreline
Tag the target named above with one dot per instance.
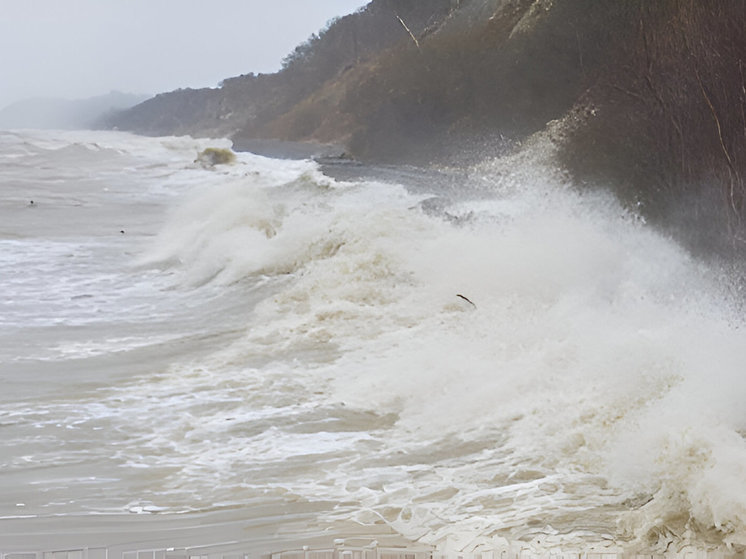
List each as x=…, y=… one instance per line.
x=334, y=163
x=269, y=530
x=235, y=535
x=287, y=149
x=256, y=530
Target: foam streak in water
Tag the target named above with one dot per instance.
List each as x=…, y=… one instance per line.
x=506, y=358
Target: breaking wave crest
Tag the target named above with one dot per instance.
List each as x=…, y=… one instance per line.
x=555, y=369
x=462, y=357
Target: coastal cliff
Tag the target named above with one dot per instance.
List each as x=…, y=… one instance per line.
x=647, y=98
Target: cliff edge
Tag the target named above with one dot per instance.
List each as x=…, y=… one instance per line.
x=651, y=97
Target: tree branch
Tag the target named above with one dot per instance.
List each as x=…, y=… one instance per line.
x=404, y=25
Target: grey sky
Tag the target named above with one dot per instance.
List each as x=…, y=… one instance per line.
x=82, y=48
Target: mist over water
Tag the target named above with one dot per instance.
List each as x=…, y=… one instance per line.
x=490, y=356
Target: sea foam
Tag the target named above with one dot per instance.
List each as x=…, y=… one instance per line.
x=504, y=358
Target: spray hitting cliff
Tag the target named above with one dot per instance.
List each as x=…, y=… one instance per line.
x=650, y=97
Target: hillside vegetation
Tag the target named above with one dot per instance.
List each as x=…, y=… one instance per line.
x=651, y=97
x=249, y=104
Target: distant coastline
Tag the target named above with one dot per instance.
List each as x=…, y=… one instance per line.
x=66, y=114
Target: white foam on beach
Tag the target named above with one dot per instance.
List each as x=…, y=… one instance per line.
x=320, y=346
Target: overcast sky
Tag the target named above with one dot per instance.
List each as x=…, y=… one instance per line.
x=82, y=48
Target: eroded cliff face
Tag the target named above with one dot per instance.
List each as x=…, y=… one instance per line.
x=250, y=104
x=665, y=125
x=651, y=96
x=398, y=68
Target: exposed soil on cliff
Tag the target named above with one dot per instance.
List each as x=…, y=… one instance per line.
x=652, y=97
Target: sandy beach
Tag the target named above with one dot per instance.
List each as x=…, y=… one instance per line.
x=256, y=529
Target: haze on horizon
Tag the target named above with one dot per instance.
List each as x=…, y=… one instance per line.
x=76, y=49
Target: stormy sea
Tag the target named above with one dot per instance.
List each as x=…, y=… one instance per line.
x=285, y=349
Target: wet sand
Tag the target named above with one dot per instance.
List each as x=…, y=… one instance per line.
x=255, y=530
